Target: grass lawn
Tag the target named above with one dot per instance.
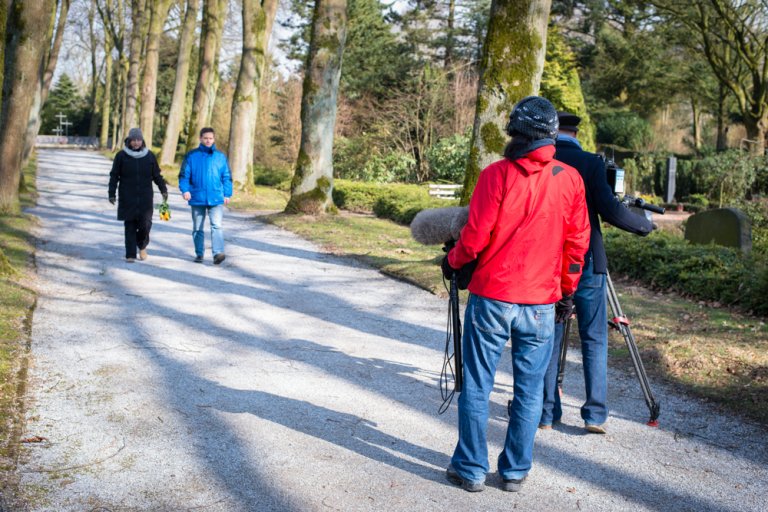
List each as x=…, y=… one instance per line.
x=17, y=299
x=704, y=350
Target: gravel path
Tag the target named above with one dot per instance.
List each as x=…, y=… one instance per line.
x=288, y=379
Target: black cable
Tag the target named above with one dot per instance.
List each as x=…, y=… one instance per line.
x=447, y=373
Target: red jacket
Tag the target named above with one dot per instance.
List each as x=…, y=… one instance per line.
x=529, y=226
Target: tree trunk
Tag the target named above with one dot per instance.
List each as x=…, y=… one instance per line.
x=106, y=100
x=132, y=81
x=47, y=67
x=449, y=38
x=696, y=112
x=313, y=180
x=756, y=129
x=511, y=67
x=176, y=114
x=94, y=123
x=159, y=13
x=258, y=16
x=27, y=21
x=207, y=79
x=4, y=8
x=722, y=135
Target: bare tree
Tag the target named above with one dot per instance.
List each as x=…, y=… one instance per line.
x=114, y=31
x=45, y=77
x=132, y=80
x=734, y=38
x=214, y=12
x=27, y=21
x=511, y=67
x=313, y=180
x=176, y=114
x=158, y=15
x=258, y=16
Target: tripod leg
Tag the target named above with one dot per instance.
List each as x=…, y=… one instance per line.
x=621, y=323
x=563, y=353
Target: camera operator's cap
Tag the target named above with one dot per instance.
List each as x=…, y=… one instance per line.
x=569, y=122
x=533, y=117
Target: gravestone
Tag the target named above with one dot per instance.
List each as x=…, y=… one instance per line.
x=729, y=227
x=669, y=183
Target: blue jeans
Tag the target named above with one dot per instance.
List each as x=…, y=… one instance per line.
x=488, y=325
x=593, y=331
x=215, y=216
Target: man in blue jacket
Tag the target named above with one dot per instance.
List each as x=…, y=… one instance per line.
x=206, y=183
x=590, y=299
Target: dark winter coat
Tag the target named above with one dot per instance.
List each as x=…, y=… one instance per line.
x=132, y=175
x=600, y=200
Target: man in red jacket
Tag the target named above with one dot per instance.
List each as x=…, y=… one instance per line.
x=528, y=229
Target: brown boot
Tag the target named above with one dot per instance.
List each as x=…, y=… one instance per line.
x=142, y=254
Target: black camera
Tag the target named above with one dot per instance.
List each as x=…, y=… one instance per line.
x=615, y=177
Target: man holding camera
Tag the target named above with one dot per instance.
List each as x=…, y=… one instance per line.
x=528, y=229
x=590, y=299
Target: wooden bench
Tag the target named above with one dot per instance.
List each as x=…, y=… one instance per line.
x=444, y=191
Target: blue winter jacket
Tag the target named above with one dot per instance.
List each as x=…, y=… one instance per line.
x=205, y=174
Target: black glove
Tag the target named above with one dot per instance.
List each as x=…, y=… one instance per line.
x=564, y=309
x=448, y=270
x=165, y=196
x=464, y=275
x=112, y=199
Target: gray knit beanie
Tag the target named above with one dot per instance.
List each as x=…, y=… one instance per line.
x=533, y=117
x=135, y=134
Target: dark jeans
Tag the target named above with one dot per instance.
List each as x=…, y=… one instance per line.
x=137, y=234
x=592, y=317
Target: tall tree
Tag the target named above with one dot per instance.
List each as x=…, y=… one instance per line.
x=258, y=16
x=24, y=53
x=176, y=115
x=47, y=67
x=158, y=13
x=132, y=79
x=511, y=67
x=734, y=38
x=214, y=12
x=313, y=179
x=114, y=30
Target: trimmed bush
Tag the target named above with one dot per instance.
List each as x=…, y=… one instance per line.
x=271, y=177
x=705, y=272
x=396, y=201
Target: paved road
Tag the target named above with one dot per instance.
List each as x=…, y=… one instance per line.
x=288, y=379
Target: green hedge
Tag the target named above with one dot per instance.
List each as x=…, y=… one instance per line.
x=395, y=201
x=703, y=272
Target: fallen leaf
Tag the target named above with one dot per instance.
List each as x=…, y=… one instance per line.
x=34, y=439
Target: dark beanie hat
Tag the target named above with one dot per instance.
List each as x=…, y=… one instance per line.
x=569, y=122
x=533, y=117
x=135, y=134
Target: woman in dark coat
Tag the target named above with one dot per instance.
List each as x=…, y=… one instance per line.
x=133, y=171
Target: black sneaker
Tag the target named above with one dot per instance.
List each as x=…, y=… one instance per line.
x=218, y=258
x=512, y=485
x=198, y=259
x=456, y=479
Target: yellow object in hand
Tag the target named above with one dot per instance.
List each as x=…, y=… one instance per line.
x=165, y=211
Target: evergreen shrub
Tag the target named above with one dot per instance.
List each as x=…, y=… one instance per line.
x=271, y=177
x=448, y=158
x=664, y=261
x=398, y=202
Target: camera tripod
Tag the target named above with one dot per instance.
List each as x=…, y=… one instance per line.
x=620, y=323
